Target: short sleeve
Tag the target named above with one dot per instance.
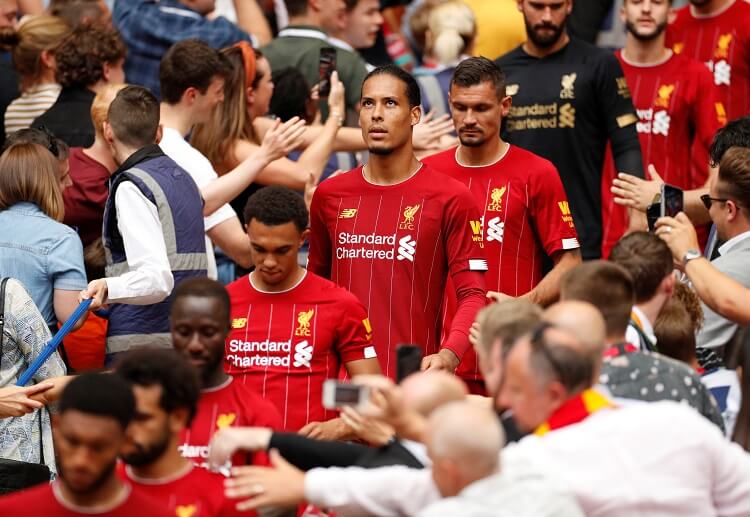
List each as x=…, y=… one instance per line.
x=65, y=263
x=266, y=414
x=354, y=332
x=224, y=213
x=319, y=256
x=463, y=253
x=550, y=211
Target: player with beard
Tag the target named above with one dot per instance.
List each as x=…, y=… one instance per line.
x=678, y=105
x=90, y=429
x=569, y=100
x=166, y=394
x=199, y=323
x=393, y=231
x=518, y=194
x=717, y=33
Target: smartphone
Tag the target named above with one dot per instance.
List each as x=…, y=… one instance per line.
x=337, y=394
x=408, y=361
x=326, y=66
x=671, y=200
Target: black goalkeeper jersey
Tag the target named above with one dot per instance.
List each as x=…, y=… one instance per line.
x=566, y=107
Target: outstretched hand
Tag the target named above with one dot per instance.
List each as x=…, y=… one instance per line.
x=635, y=192
x=428, y=134
x=282, y=138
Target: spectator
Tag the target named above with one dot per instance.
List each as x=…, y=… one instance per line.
x=23, y=336
x=43, y=254
x=192, y=76
x=90, y=169
x=570, y=100
x=8, y=77
x=152, y=230
x=741, y=433
x=89, y=58
x=650, y=265
x=229, y=138
x=200, y=324
x=166, y=394
x=674, y=330
x=80, y=12
x=150, y=28
x=466, y=470
x=449, y=38
x=298, y=45
x=90, y=430
x=33, y=46
x=628, y=373
x=360, y=31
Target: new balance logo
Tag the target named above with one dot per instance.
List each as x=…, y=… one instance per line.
x=407, y=247
x=495, y=230
x=348, y=213
x=302, y=354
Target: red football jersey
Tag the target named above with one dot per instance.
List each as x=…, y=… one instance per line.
x=232, y=404
x=194, y=493
x=46, y=500
x=679, y=111
x=285, y=345
x=722, y=42
x=393, y=247
x=524, y=215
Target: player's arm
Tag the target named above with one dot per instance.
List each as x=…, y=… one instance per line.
x=547, y=290
x=466, y=266
x=319, y=256
x=620, y=119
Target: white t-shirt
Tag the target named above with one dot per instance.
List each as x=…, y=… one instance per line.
x=200, y=169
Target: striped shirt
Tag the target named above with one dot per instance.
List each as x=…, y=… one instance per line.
x=32, y=103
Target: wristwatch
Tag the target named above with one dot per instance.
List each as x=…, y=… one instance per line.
x=690, y=255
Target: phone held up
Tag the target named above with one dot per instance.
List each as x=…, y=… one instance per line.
x=326, y=66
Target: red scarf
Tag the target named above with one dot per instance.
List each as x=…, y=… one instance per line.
x=574, y=410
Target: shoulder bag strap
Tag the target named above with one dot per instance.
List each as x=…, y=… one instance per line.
x=2, y=316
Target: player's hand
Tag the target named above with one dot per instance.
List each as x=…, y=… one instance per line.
x=365, y=428
x=443, y=360
x=497, y=296
x=229, y=440
x=20, y=400
x=679, y=234
x=97, y=289
x=334, y=429
x=428, y=133
x=636, y=192
x=280, y=140
x=281, y=484
x=474, y=335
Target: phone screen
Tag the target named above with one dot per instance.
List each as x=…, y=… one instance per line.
x=347, y=394
x=326, y=66
x=671, y=200
x=409, y=360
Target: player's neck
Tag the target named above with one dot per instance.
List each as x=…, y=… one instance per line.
x=535, y=50
x=390, y=169
x=289, y=282
x=710, y=7
x=108, y=494
x=645, y=52
x=217, y=378
x=171, y=464
x=487, y=154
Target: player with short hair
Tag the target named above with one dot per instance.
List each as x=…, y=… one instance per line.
x=393, y=231
x=291, y=329
x=200, y=323
x=518, y=194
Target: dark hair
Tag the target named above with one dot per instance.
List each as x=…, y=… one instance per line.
x=674, y=333
x=607, y=286
x=76, y=12
x=648, y=260
x=99, y=394
x=412, y=87
x=81, y=56
x=570, y=367
x=291, y=93
x=204, y=288
x=734, y=175
x=41, y=136
x=477, y=70
x=180, y=387
x=190, y=63
x=296, y=7
x=275, y=205
x=134, y=116
x=741, y=434
x=735, y=134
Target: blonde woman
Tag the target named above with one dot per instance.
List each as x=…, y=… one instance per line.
x=32, y=46
x=35, y=247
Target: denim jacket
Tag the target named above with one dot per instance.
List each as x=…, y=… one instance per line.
x=42, y=254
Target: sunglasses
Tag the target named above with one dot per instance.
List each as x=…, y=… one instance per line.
x=708, y=200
